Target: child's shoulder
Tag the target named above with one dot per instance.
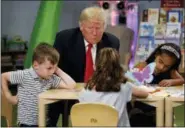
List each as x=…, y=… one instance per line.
x=20, y=72
x=23, y=70
x=126, y=86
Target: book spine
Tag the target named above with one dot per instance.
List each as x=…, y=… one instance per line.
x=145, y=15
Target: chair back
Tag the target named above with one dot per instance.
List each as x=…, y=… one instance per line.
x=93, y=114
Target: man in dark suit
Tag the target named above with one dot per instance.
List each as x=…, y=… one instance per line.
x=73, y=45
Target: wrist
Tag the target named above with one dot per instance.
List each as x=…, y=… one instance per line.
x=8, y=95
x=59, y=72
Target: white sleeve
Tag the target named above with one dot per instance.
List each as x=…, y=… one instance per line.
x=16, y=77
x=128, y=91
x=56, y=81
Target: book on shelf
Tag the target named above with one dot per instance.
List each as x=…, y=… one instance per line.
x=144, y=48
x=158, y=42
x=19, y=61
x=182, y=42
x=166, y=13
x=139, y=58
x=159, y=30
x=183, y=20
x=159, y=26
x=173, y=30
x=6, y=64
x=173, y=16
x=145, y=15
x=163, y=16
x=146, y=29
x=181, y=13
x=172, y=40
x=20, y=56
x=6, y=59
x=153, y=15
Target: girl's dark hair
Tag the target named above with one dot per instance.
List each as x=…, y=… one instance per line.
x=160, y=50
x=109, y=74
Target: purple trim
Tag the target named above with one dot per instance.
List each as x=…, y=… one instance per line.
x=132, y=23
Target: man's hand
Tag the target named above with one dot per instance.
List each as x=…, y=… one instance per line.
x=165, y=83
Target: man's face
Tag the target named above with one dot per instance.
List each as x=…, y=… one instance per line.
x=45, y=70
x=92, y=30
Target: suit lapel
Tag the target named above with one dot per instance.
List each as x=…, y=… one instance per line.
x=80, y=49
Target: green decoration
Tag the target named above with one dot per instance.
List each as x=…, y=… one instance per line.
x=45, y=28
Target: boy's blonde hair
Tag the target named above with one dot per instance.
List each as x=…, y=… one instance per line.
x=94, y=12
x=45, y=52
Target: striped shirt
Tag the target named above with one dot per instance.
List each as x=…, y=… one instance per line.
x=29, y=87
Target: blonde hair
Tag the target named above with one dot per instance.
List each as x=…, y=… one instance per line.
x=93, y=12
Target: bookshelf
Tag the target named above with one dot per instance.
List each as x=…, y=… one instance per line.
x=158, y=26
x=13, y=53
x=12, y=60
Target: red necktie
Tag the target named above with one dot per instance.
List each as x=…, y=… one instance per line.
x=89, y=64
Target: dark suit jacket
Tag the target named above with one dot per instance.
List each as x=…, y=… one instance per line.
x=70, y=45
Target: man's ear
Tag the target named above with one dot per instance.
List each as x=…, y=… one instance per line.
x=80, y=26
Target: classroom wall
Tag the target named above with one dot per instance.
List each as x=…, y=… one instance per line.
x=18, y=17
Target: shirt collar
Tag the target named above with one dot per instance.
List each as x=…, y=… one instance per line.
x=86, y=44
x=33, y=73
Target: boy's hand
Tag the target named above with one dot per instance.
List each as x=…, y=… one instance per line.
x=13, y=99
x=165, y=83
x=58, y=71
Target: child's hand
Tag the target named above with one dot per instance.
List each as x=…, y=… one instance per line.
x=13, y=99
x=165, y=83
x=58, y=71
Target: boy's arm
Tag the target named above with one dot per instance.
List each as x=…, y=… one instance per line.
x=5, y=77
x=67, y=81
